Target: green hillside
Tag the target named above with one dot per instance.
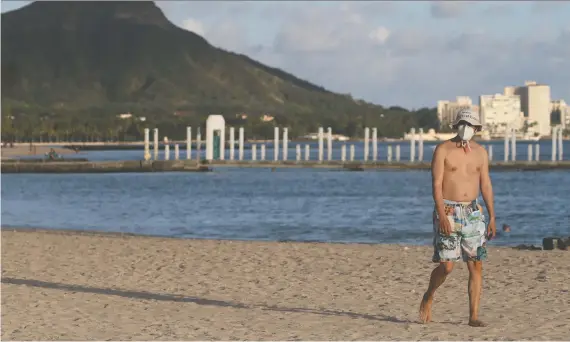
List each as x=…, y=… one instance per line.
x=72, y=67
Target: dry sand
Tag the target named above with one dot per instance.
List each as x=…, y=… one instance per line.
x=70, y=286
x=24, y=150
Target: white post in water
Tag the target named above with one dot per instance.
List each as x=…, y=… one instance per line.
x=232, y=142
x=513, y=145
x=241, y=139
x=343, y=153
x=276, y=144
x=254, y=152
x=507, y=132
x=374, y=144
x=262, y=152
x=560, y=150
x=188, y=143
x=351, y=153
x=537, y=152
x=198, y=144
x=166, y=149
x=366, y=142
x=320, y=136
x=285, y=143
x=421, y=146
x=176, y=152
x=412, y=145
x=389, y=154
x=307, y=152
x=529, y=152
x=490, y=153
x=329, y=144
x=298, y=152
x=554, y=137
x=398, y=153
x=155, y=143
x=146, y=144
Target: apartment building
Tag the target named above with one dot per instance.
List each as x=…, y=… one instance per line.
x=447, y=110
x=535, y=105
x=501, y=112
x=564, y=110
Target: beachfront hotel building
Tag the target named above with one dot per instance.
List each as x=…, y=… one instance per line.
x=535, y=105
x=564, y=109
x=501, y=112
x=447, y=110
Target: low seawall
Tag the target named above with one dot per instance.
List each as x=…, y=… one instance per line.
x=194, y=166
x=104, y=166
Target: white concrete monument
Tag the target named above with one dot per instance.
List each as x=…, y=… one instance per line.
x=215, y=125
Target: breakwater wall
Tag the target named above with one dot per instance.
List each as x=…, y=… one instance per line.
x=103, y=166
x=193, y=166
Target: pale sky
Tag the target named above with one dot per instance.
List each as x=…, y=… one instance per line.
x=392, y=53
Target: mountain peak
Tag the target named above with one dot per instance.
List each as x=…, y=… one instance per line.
x=76, y=14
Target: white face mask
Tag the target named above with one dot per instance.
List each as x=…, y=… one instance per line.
x=465, y=132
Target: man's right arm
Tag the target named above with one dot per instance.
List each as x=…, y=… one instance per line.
x=437, y=168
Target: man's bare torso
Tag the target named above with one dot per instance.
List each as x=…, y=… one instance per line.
x=462, y=171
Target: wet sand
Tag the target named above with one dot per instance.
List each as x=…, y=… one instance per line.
x=69, y=286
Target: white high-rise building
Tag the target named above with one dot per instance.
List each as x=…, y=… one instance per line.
x=500, y=112
x=564, y=109
x=447, y=110
x=535, y=104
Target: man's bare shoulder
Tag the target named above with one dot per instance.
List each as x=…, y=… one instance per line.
x=444, y=147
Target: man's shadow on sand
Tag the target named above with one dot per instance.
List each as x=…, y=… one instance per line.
x=186, y=299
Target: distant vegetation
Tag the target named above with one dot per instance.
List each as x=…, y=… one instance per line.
x=70, y=68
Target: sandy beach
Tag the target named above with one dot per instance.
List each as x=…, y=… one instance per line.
x=68, y=286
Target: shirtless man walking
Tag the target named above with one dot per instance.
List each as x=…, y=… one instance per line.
x=460, y=167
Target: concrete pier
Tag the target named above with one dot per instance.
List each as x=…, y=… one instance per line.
x=285, y=143
x=176, y=152
x=554, y=137
x=298, y=152
x=389, y=154
x=343, y=153
x=124, y=166
x=366, y=143
x=507, y=132
x=537, y=152
x=146, y=144
x=254, y=152
x=421, y=146
x=374, y=144
x=155, y=143
x=232, y=143
x=320, y=137
x=490, y=153
x=241, y=142
x=413, y=145
x=560, y=144
x=307, y=152
x=398, y=153
x=513, y=145
x=262, y=152
x=329, y=144
x=351, y=153
x=188, y=143
x=276, y=144
x=529, y=152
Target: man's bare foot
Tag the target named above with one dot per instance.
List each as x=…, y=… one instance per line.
x=425, y=309
x=477, y=323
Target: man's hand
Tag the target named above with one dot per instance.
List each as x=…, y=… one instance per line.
x=491, y=229
x=444, y=225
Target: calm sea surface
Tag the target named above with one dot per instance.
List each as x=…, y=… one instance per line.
x=288, y=204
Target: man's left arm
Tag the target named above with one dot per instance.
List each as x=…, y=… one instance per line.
x=487, y=192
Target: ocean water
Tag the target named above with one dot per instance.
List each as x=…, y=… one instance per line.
x=286, y=204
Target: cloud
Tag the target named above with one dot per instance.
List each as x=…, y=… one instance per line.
x=447, y=9
x=397, y=59
x=194, y=25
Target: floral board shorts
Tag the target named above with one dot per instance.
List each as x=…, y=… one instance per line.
x=467, y=239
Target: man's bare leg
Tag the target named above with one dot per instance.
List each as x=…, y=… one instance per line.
x=438, y=276
x=474, y=288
